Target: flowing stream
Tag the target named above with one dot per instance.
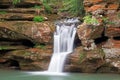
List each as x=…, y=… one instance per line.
x=63, y=43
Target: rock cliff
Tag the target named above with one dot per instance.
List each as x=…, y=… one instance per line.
x=99, y=51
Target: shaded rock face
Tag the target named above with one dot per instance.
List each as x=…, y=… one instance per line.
x=29, y=59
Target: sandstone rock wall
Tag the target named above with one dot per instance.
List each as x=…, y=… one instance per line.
x=22, y=40
x=100, y=47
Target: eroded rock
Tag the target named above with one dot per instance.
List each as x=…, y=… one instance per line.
x=29, y=59
x=35, y=32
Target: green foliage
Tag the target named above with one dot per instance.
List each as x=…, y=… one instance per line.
x=41, y=46
x=14, y=2
x=38, y=19
x=3, y=12
x=27, y=54
x=3, y=48
x=48, y=9
x=89, y=20
x=37, y=7
x=82, y=56
x=107, y=21
x=74, y=7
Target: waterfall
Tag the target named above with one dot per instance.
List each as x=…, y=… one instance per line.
x=63, y=43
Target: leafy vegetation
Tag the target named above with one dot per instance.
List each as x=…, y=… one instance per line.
x=107, y=21
x=48, y=9
x=90, y=20
x=46, y=5
x=82, y=56
x=38, y=19
x=41, y=46
x=74, y=7
x=3, y=12
x=3, y=48
x=14, y=2
x=37, y=7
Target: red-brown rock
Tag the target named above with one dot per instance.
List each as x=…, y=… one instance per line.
x=33, y=31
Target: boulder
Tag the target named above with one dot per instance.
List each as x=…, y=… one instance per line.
x=88, y=33
x=85, y=61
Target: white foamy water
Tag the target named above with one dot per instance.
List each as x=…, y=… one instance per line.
x=63, y=44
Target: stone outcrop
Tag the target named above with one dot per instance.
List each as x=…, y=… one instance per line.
x=29, y=59
x=35, y=32
x=94, y=61
x=105, y=36
x=24, y=43
x=85, y=61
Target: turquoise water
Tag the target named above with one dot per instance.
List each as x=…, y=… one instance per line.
x=18, y=75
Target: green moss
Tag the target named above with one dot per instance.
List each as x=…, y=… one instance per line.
x=14, y=2
x=89, y=20
x=82, y=56
x=27, y=54
x=41, y=46
x=107, y=21
x=38, y=19
x=3, y=48
x=37, y=7
x=3, y=12
x=48, y=9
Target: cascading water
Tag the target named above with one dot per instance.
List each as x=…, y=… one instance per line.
x=63, y=43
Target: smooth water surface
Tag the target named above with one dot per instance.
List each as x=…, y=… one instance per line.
x=18, y=75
